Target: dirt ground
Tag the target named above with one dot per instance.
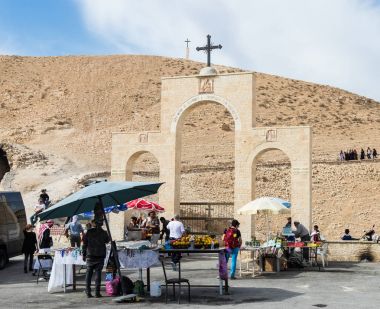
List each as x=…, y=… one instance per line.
x=341, y=285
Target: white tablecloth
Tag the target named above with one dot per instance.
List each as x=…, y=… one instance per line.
x=59, y=265
x=44, y=263
x=137, y=259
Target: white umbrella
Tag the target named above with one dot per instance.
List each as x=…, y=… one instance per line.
x=266, y=205
x=271, y=204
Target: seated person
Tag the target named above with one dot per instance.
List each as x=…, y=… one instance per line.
x=133, y=223
x=141, y=221
x=347, y=235
x=315, y=234
x=153, y=223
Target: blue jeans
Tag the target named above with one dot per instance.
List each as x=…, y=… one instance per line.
x=233, y=253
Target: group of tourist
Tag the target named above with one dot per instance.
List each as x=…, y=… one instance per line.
x=352, y=154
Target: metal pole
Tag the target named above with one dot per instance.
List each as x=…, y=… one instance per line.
x=113, y=247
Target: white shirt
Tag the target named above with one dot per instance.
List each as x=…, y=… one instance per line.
x=176, y=229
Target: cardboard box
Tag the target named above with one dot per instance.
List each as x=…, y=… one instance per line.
x=270, y=264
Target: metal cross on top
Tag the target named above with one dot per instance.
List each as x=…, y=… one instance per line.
x=208, y=48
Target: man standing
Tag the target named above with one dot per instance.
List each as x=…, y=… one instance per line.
x=164, y=229
x=176, y=230
x=303, y=233
x=94, y=253
x=75, y=229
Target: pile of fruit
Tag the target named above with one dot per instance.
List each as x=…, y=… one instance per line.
x=200, y=242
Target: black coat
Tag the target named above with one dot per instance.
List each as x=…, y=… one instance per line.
x=94, y=243
x=30, y=242
x=46, y=241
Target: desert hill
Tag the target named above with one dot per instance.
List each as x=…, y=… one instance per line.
x=57, y=115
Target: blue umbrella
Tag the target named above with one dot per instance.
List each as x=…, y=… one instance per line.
x=115, y=208
x=281, y=201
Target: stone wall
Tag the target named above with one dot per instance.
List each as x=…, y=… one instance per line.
x=353, y=251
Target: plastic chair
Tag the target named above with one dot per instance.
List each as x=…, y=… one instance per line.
x=45, y=263
x=322, y=252
x=173, y=282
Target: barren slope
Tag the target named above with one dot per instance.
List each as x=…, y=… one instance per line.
x=57, y=115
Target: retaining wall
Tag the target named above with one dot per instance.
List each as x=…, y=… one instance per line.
x=353, y=251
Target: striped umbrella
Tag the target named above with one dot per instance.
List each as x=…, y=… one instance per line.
x=144, y=205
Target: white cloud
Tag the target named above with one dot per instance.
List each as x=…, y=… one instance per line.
x=329, y=42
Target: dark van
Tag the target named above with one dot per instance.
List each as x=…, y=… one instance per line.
x=12, y=222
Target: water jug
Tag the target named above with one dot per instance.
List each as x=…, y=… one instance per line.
x=155, y=289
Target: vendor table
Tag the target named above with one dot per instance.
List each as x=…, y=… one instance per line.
x=313, y=252
x=139, y=259
x=203, y=251
x=256, y=257
x=61, y=275
x=44, y=263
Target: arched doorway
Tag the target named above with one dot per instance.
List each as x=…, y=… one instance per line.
x=271, y=170
x=206, y=133
x=4, y=164
x=143, y=166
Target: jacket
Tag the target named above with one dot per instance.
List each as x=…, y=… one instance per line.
x=30, y=242
x=94, y=243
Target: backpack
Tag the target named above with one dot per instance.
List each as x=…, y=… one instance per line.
x=230, y=238
x=139, y=288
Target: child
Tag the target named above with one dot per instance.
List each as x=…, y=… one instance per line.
x=316, y=234
x=29, y=246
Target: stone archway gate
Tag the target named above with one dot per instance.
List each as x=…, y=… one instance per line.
x=236, y=92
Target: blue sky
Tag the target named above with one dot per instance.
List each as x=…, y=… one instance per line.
x=334, y=42
x=45, y=28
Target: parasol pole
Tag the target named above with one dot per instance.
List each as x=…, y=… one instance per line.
x=113, y=246
x=64, y=228
x=267, y=218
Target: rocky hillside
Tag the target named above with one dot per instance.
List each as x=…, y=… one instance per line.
x=57, y=115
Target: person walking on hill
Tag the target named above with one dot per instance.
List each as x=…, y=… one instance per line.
x=369, y=153
x=374, y=154
x=362, y=154
x=29, y=246
x=45, y=197
x=355, y=155
x=94, y=253
x=341, y=155
x=232, y=241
